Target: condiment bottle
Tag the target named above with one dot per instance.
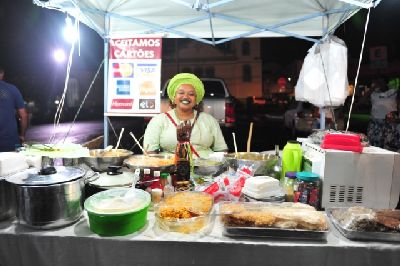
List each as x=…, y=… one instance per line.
x=287, y=185
x=156, y=181
x=146, y=175
x=147, y=178
x=183, y=153
x=164, y=179
x=168, y=188
x=156, y=194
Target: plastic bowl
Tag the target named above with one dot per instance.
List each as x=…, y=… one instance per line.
x=110, y=214
x=185, y=212
x=186, y=226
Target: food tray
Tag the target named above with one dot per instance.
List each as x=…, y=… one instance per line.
x=292, y=234
x=140, y=163
x=362, y=235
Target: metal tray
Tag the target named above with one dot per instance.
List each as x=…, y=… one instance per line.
x=362, y=235
x=292, y=234
x=166, y=168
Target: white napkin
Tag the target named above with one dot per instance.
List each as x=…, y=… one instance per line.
x=12, y=162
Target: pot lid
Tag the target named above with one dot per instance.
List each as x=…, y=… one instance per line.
x=31, y=177
x=117, y=201
x=120, y=180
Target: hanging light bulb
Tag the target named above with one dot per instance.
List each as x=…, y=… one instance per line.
x=59, y=55
x=70, y=31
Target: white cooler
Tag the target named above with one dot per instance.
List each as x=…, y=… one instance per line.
x=370, y=178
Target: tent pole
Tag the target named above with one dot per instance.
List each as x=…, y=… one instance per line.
x=105, y=120
x=321, y=118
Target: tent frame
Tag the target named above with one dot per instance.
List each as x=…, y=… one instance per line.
x=203, y=6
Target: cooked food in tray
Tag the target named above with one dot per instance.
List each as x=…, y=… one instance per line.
x=184, y=212
x=365, y=219
x=283, y=216
x=150, y=161
x=110, y=153
x=185, y=205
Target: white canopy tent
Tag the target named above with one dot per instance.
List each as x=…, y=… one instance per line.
x=209, y=21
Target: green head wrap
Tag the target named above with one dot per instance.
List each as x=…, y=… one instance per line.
x=185, y=78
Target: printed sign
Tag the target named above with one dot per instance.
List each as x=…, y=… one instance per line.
x=134, y=76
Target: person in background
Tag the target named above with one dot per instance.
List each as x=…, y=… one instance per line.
x=11, y=106
x=391, y=130
x=383, y=101
x=185, y=91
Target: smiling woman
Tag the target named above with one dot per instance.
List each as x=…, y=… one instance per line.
x=185, y=91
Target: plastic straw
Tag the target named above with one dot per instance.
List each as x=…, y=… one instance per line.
x=119, y=138
x=249, y=139
x=137, y=142
x=234, y=142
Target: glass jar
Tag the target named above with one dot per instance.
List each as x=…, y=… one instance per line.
x=307, y=189
x=288, y=184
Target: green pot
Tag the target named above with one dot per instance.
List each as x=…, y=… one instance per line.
x=115, y=222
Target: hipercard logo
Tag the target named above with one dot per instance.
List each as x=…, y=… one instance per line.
x=122, y=104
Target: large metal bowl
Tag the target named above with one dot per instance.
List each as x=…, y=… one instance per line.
x=261, y=164
x=100, y=160
x=209, y=167
x=154, y=162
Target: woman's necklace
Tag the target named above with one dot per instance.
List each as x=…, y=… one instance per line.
x=180, y=119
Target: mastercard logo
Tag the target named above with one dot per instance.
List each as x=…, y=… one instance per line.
x=123, y=70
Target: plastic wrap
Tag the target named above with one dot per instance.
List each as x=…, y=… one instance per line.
x=359, y=223
x=365, y=219
x=356, y=218
x=228, y=187
x=275, y=220
x=285, y=215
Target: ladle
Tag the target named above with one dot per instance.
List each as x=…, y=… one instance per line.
x=119, y=139
x=130, y=194
x=137, y=142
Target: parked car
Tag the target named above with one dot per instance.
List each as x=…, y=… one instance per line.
x=303, y=117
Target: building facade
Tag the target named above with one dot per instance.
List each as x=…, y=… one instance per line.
x=237, y=62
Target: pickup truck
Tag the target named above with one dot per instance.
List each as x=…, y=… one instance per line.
x=217, y=101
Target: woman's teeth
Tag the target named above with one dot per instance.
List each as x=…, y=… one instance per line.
x=185, y=101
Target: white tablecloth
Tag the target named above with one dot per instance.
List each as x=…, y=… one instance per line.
x=77, y=245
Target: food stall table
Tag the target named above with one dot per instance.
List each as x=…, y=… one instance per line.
x=77, y=245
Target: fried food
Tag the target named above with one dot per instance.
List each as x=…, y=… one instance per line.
x=278, y=216
x=150, y=161
x=184, y=212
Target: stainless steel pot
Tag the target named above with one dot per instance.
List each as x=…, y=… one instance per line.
x=49, y=199
x=7, y=200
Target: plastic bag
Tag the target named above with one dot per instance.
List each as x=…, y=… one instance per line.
x=228, y=187
x=325, y=64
